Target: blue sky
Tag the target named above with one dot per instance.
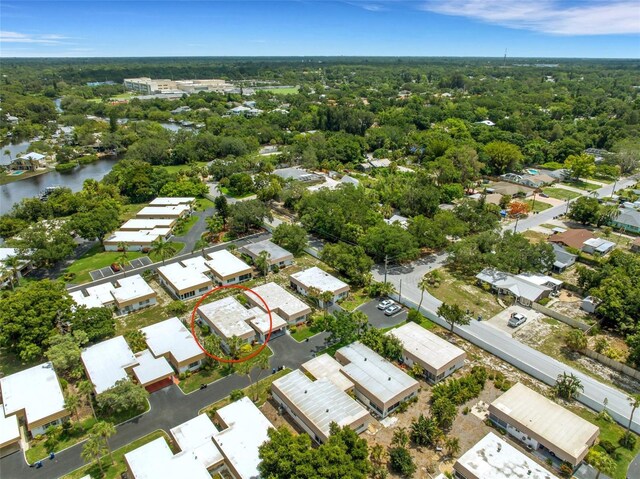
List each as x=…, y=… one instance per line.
x=527, y=28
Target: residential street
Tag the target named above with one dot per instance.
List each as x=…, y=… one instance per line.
x=169, y=408
x=502, y=345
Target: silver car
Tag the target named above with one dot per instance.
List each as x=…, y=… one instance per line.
x=391, y=310
x=384, y=304
x=517, y=319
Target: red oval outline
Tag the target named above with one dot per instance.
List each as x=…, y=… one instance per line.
x=228, y=360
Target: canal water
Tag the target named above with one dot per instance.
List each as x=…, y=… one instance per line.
x=14, y=192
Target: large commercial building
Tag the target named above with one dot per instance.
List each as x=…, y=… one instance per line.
x=148, y=86
x=542, y=424
x=314, y=405
x=316, y=279
x=494, y=458
x=280, y=301
x=437, y=357
x=379, y=385
x=34, y=396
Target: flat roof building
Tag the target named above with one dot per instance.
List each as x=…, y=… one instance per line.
x=315, y=278
x=196, y=435
x=140, y=240
x=227, y=317
x=279, y=300
x=438, y=357
x=34, y=395
x=277, y=256
x=152, y=373
x=261, y=323
x=125, y=295
x=9, y=433
x=227, y=268
x=314, y=405
x=183, y=281
x=155, y=460
x=244, y=430
x=494, y=458
x=542, y=424
x=164, y=212
x=324, y=366
x=379, y=385
x=168, y=201
x=138, y=224
x=171, y=339
x=108, y=362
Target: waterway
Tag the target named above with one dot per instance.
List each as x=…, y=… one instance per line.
x=13, y=192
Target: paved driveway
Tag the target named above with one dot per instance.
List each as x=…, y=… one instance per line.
x=500, y=320
x=378, y=319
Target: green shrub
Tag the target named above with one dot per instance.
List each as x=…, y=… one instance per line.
x=65, y=167
x=628, y=440
x=236, y=394
x=608, y=446
x=177, y=307
x=466, y=410
x=87, y=159
x=544, y=301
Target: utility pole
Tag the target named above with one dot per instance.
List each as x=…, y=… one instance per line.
x=400, y=295
x=614, y=187
x=386, y=261
x=515, y=228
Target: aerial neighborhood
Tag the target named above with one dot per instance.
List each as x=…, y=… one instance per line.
x=277, y=268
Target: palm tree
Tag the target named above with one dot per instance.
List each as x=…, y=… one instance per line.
x=261, y=361
x=86, y=389
x=262, y=263
x=568, y=386
x=634, y=402
x=602, y=462
x=163, y=249
x=400, y=437
x=452, y=445
x=13, y=262
x=201, y=244
x=422, y=284
x=386, y=289
x=105, y=430
x=72, y=403
x=93, y=450
x=377, y=454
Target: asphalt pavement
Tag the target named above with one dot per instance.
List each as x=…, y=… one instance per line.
x=378, y=319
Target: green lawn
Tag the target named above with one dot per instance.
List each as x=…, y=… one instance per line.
x=465, y=294
x=612, y=432
x=583, y=185
x=539, y=205
x=131, y=210
x=94, y=259
x=113, y=471
x=560, y=193
x=355, y=299
x=38, y=450
x=201, y=376
x=225, y=191
x=176, y=168
x=303, y=332
x=179, y=247
x=183, y=228
x=203, y=204
x=283, y=91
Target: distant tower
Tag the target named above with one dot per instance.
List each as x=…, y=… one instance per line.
x=504, y=63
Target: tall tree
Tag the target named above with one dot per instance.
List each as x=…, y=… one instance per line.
x=104, y=430
x=92, y=450
x=453, y=314
x=163, y=249
x=568, y=386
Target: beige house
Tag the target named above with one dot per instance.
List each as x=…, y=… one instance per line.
x=9, y=433
x=542, y=424
x=276, y=256
x=314, y=405
x=280, y=301
x=379, y=385
x=438, y=357
x=171, y=339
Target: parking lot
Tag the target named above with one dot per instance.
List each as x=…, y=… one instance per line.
x=378, y=319
x=107, y=271
x=500, y=320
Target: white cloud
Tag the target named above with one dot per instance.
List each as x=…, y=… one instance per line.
x=45, y=39
x=586, y=17
x=370, y=7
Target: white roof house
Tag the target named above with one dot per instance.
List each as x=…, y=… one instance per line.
x=151, y=369
x=317, y=278
x=139, y=237
x=225, y=265
x=245, y=430
x=277, y=254
x=183, y=278
x=376, y=377
x=433, y=353
x=318, y=403
x=124, y=292
x=175, y=211
x=198, y=263
x=598, y=245
x=131, y=288
x=561, y=431
x=83, y=298
x=106, y=362
x=9, y=429
x=156, y=461
x=494, y=458
x=36, y=391
x=137, y=224
x=261, y=322
x=173, y=338
x=228, y=317
x=163, y=201
x=525, y=291
x=279, y=300
x=196, y=436
x=324, y=366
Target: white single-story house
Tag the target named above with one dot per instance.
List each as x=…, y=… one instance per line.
x=152, y=373
x=108, y=362
x=141, y=224
x=183, y=281
x=227, y=268
x=141, y=240
x=564, y=259
x=314, y=278
x=598, y=246
x=171, y=339
x=35, y=397
x=168, y=201
x=9, y=433
x=6, y=272
x=164, y=212
x=125, y=295
x=277, y=256
x=280, y=301
x=526, y=289
x=324, y=366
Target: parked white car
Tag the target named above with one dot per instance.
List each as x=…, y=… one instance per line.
x=516, y=320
